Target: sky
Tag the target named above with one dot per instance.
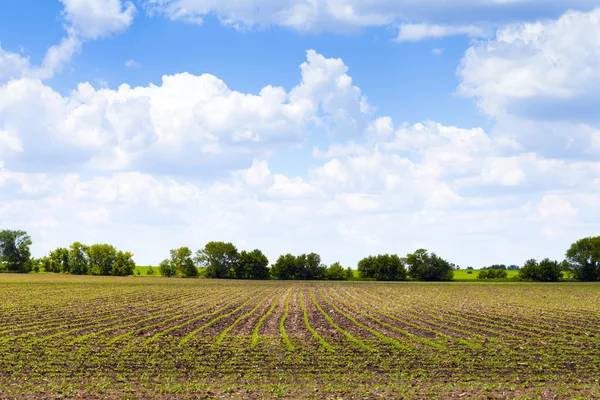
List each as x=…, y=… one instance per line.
x=349, y=128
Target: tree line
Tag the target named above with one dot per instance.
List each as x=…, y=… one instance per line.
x=78, y=259
x=222, y=260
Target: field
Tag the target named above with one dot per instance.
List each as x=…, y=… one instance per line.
x=103, y=337
x=463, y=275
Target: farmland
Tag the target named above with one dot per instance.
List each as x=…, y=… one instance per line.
x=68, y=336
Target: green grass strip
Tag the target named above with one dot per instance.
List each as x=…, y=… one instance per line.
x=336, y=326
x=192, y=334
x=284, y=335
x=312, y=330
x=263, y=318
x=242, y=317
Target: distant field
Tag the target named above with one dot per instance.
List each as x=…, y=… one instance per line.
x=67, y=336
x=463, y=274
x=144, y=270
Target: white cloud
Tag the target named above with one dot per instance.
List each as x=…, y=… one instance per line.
x=547, y=70
x=12, y=65
x=93, y=19
x=438, y=17
x=553, y=205
x=417, y=32
x=186, y=121
x=132, y=64
x=188, y=161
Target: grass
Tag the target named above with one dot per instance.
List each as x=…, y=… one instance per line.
x=463, y=275
x=65, y=336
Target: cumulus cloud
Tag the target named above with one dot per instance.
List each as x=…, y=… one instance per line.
x=93, y=19
x=433, y=18
x=187, y=121
x=188, y=160
x=543, y=70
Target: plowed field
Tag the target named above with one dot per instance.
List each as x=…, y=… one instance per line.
x=96, y=337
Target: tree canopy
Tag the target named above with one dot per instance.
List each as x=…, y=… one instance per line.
x=584, y=259
x=423, y=266
x=15, y=254
x=543, y=271
x=383, y=267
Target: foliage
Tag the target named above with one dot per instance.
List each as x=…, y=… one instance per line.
x=584, y=259
x=167, y=269
x=252, y=265
x=57, y=261
x=182, y=262
x=284, y=267
x=219, y=258
x=544, y=271
x=309, y=267
x=101, y=258
x=15, y=254
x=336, y=272
x=383, y=267
x=150, y=271
x=428, y=267
x=492, y=273
x=495, y=266
x=78, y=259
x=124, y=264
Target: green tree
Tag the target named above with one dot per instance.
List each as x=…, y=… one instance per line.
x=181, y=260
x=284, y=267
x=383, y=267
x=123, y=264
x=584, y=259
x=492, y=273
x=252, y=265
x=219, y=258
x=15, y=254
x=336, y=272
x=423, y=266
x=309, y=267
x=60, y=260
x=150, y=271
x=544, y=271
x=78, y=259
x=167, y=269
x=101, y=259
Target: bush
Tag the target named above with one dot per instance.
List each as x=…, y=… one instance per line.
x=544, y=271
x=428, y=267
x=384, y=267
x=150, y=271
x=336, y=272
x=492, y=274
x=167, y=269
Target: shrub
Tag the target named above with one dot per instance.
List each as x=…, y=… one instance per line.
x=544, y=271
x=428, y=267
x=384, y=267
x=492, y=274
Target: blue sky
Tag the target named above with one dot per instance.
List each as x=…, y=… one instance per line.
x=343, y=127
